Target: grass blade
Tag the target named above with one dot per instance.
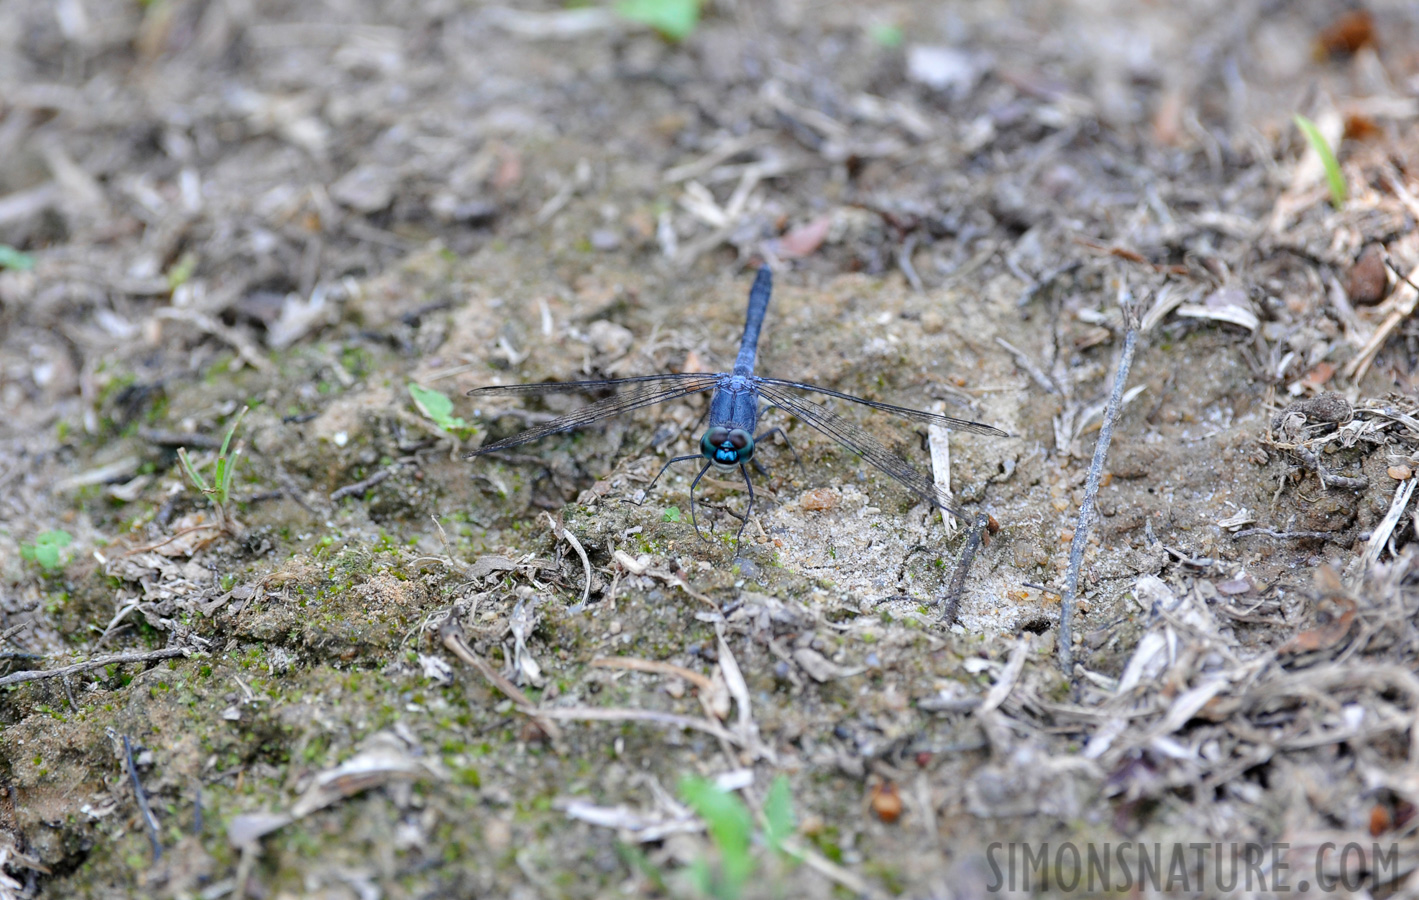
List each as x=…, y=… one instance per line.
x=1333, y=176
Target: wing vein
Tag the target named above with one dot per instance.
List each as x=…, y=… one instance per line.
x=905, y=412
x=653, y=390
x=859, y=441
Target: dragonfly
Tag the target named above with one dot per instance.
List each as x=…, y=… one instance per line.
x=729, y=442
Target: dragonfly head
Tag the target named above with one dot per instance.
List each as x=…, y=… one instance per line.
x=727, y=448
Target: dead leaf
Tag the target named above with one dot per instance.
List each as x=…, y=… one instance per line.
x=1335, y=613
x=805, y=239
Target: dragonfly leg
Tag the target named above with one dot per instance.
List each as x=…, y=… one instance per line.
x=693, y=485
x=744, y=470
x=678, y=459
x=783, y=434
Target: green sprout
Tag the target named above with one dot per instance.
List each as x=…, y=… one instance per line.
x=438, y=408
x=220, y=489
x=731, y=830
x=1333, y=176
x=48, y=549
x=10, y=258
x=671, y=514
x=779, y=821
x=731, y=827
x=181, y=271
x=675, y=19
x=886, y=35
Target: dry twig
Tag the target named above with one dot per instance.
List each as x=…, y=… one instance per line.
x=117, y=659
x=561, y=532
x=1091, y=485
x=452, y=636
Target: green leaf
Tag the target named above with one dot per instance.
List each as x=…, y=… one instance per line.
x=197, y=479
x=1333, y=176
x=56, y=538
x=220, y=479
x=437, y=407
x=779, y=820
x=181, y=271
x=48, y=549
x=671, y=514
x=10, y=258
x=730, y=827
x=676, y=19
x=885, y=35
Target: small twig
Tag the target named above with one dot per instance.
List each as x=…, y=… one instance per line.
x=12, y=631
x=1284, y=535
x=1036, y=374
x=452, y=636
x=938, y=441
x=244, y=348
x=180, y=534
x=360, y=487
x=116, y=659
x=1382, y=532
x=197, y=808
x=701, y=682
x=142, y=798
x=904, y=260
x=1000, y=692
x=952, y=605
x=1330, y=479
x=623, y=714
x=1034, y=286
x=179, y=439
x=1091, y=484
x=1404, y=300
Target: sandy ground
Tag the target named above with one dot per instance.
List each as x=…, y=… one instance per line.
x=379, y=669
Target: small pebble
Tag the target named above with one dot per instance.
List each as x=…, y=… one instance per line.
x=820, y=498
x=1233, y=586
x=1400, y=473
x=616, y=627
x=605, y=239
x=887, y=802
x=1368, y=282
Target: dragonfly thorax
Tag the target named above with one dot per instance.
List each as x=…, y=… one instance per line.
x=727, y=448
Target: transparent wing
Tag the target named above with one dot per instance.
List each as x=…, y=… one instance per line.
x=917, y=415
x=859, y=441
x=570, y=387
x=648, y=390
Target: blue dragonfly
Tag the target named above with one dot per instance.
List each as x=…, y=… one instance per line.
x=729, y=442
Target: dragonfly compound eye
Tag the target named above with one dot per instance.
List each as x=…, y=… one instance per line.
x=727, y=448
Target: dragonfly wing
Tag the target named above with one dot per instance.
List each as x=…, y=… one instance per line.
x=570, y=387
x=648, y=390
x=917, y=415
x=859, y=441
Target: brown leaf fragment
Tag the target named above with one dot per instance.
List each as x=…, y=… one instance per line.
x=1335, y=613
x=488, y=565
x=805, y=239
x=1346, y=35
x=1380, y=820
